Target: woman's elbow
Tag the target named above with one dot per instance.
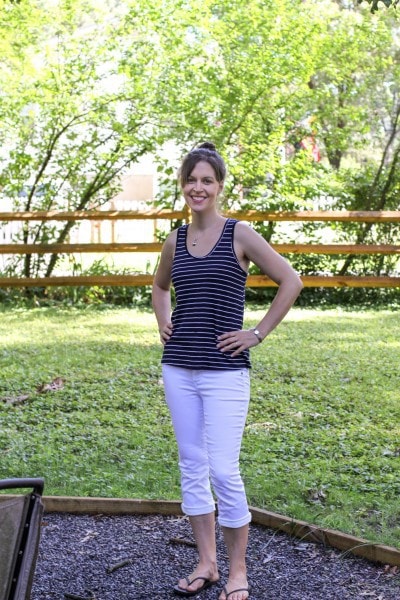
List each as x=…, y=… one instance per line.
x=298, y=284
x=293, y=285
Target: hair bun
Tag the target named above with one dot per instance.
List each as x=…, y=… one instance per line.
x=208, y=146
x=205, y=152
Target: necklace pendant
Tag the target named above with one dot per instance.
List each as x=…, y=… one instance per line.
x=194, y=243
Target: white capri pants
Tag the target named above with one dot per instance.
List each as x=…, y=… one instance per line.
x=209, y=410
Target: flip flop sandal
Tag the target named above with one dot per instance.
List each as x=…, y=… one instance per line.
x=184, y=592
x=234, y=591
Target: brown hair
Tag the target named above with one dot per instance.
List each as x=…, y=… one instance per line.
x=204, y=152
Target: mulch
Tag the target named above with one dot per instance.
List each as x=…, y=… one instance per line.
x=102, y=557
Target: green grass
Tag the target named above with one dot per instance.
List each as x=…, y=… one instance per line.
x=322, y=443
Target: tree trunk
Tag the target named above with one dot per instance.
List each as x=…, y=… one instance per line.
x=381, y=200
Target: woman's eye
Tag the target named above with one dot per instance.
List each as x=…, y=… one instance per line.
x=205, y=181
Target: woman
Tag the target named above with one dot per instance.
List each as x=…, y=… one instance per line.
x=206, y=361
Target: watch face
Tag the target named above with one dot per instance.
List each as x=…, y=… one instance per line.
x=257, y=334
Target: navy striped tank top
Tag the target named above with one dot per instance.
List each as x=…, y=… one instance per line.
x=209, y=295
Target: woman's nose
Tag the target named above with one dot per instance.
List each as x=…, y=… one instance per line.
x=197, y=185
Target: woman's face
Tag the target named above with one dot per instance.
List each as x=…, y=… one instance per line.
x=202, y=188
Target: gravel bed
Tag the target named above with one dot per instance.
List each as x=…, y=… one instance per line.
x=130, y=557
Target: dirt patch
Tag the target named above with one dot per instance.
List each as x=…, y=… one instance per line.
x=131, y=557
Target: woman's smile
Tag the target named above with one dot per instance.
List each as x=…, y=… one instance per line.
x=198, y=198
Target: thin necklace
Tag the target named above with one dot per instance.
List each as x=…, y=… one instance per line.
x=196, y=239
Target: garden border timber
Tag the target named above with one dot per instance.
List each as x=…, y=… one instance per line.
x=349, y=544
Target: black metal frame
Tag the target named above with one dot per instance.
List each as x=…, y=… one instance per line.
x=20, y=577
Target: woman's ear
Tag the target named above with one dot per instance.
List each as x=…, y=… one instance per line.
x=221, y=187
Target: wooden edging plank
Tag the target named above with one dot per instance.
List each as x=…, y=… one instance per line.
x=110, y=506
x=294, y=527
x=330, y=537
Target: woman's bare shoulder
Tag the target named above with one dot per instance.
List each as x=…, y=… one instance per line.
x=171, y=237
x=169, y=245
x=244, y=231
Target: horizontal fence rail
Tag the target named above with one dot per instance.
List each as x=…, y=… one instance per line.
x=156, y=247
x=355, y=216
x=140, y=279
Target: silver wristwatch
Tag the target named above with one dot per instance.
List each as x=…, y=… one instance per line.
x=257, y=334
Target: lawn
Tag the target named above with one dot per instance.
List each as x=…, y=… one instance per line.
x=322, y=442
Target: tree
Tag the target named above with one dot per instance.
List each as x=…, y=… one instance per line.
x=81, y=102
x=89, y=91
x=245, y=89
x=86, y=92
x=355, y=96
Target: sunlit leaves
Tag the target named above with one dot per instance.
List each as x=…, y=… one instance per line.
x=87, y=89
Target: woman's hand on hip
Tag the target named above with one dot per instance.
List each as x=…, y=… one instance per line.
x=237, y=341
x=166, y=332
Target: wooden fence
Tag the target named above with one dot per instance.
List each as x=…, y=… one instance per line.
x=250, y=215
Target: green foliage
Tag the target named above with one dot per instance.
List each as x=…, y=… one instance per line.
x=321, y=442
x=83, y=103
x=81, y=296
x=89, y=89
